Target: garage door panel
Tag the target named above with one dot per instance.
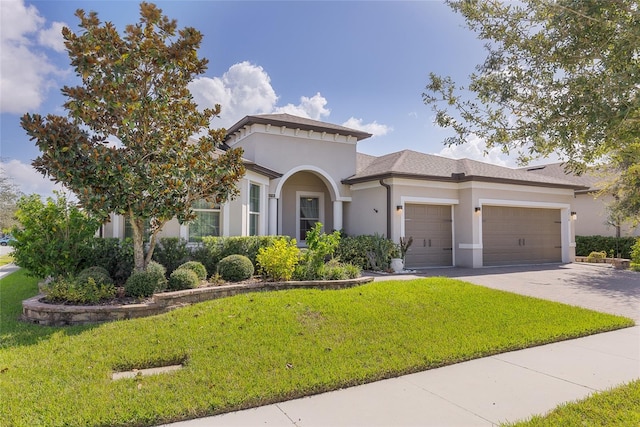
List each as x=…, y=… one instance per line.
x=513, y=235
x=430, y=227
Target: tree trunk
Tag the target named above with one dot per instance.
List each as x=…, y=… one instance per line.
x=137, y=224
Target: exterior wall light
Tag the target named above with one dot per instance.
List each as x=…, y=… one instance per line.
x=478, y=209
x=399, y=208
x=574, y=216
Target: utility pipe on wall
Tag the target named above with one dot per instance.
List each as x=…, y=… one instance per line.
x=388, y=187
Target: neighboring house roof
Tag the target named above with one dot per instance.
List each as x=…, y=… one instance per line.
x=296, y=122
x=557, y=170
x=416, y=165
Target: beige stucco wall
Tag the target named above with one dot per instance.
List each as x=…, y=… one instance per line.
x=366, y=214
x=592, y=217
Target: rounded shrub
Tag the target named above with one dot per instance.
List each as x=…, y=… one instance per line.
x=141, y=284
x=183, y=278
x=197, y=267
x=235, y=268
x=99, y=274
x=159, y=272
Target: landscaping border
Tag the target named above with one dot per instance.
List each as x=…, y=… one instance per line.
x=42, y=313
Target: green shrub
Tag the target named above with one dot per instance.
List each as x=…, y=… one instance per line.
x=69, y=290
x=221, y=247
x=113, y=254
x=369, y=252
x=141, y=284
x=278, y=261
x=183, y=278
x=635, y=255
x=98, y=274
x=594, y=256
x=196, y=267
x=159, y=272
x=335, y=270
x=587, y=244
x=53, y=238
x=353, y=271
x=201, y=254
x=320, y=248
x=171, y=252
x=235, y=268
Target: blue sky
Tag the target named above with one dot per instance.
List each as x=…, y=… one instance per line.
x=355, y=63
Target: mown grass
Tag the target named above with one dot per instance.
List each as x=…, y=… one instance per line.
x=261, y=348
x=616, y=407
x=5, y=259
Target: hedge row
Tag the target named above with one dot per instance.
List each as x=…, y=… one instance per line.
x=611, y=245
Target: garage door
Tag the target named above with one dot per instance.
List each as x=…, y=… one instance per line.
x=520, y=235
x=430, y=227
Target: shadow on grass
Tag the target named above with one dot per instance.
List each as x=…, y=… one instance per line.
x=14, y=288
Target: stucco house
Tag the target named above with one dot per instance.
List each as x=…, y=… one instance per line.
x=459, y=212
x=590, y=207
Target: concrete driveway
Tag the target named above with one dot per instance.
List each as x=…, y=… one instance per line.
x=595, y=286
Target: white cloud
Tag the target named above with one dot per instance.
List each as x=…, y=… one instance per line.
x=375, y=128
x=311, y=108
x=476, y=149
x=28, y=180
x=26, y=71
x=243, y=90
x=52, y=37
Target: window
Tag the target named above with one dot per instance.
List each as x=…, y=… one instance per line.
x=309, y=214
x=207, y=222
x=254, y=209
x=128, y=229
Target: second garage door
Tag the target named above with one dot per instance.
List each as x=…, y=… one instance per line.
x=430, y=227
x=513, y=235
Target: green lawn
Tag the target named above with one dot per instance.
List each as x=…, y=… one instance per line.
x=617, y=407
x=260, y=348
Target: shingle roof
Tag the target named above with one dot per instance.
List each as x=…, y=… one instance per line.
x=416, y=165
x=557, y=170
x=296, y=122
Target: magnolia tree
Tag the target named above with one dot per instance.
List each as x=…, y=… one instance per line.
x=560, y=77
x=127, y=145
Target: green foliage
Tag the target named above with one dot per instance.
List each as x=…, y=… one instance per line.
x=201, y=254
x=320, y=248
x=171, y=252
x=98, y=274
x=559, y=77
x=160, y=273
x=54, y=237
x=587, y=244
x=278, y=260
x=595, y=256
x=221, y=247
x=141, y=284
x=196, y=267
x=335, y=270
x=369, y=252
x=183, y=278
x=134, y=88
x=74, y=291
x=9, y=195
x=114, y=255
x=635, y=255
x=235, y=268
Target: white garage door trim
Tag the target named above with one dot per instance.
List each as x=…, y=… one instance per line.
x=564, y=208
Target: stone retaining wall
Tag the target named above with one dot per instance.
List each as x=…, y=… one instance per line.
x=42, y=313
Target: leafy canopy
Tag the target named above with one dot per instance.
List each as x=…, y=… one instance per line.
x=127, y=144
x=559, y=77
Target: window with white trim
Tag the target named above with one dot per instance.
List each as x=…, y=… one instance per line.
x=207, y=221
x=254, y=209
x=309, y=215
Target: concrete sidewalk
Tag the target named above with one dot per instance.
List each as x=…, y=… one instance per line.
x=484, y=392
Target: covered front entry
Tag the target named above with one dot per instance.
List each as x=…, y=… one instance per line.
x=515, y=235
x=431, y=229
